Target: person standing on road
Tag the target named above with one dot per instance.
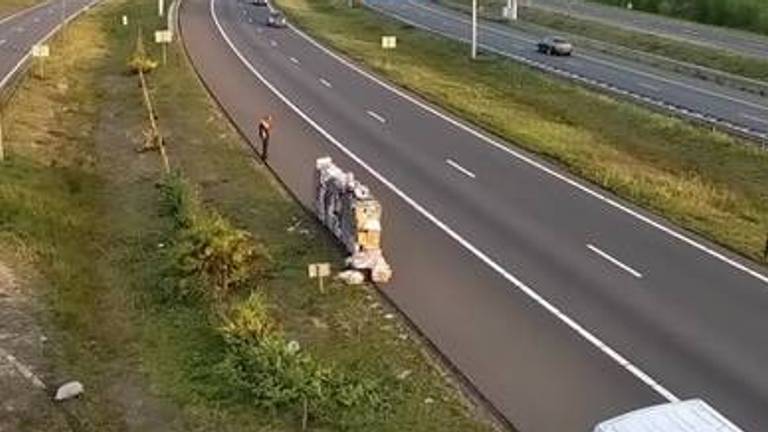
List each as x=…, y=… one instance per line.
x=265, y=132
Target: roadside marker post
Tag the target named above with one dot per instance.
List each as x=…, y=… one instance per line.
x=41, y=52
x=160, y=8
x=164, y=37
x=319, y=271
x=388, y=43
x=125, y=20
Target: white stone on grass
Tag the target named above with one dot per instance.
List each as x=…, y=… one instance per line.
x=69, y=390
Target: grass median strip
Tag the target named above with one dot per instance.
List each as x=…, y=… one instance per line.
x=182, y=302
x=705, y=181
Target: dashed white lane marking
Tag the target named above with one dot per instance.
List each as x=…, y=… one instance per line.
x=615, y=261
x=754, y=118
x=20, y=29
x=377, y=116
x=460, y=168
x=273, y=43
x=25, y=371
x=37, y=20
x=294, y=60
x=325, y=83
x=2, y=42
x=259, y=30
x=648, y=86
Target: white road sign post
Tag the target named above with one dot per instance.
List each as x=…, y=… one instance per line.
x=319, y=271
x=388, y=43
x=41, y=52
x=164, y=37
x=160, y=8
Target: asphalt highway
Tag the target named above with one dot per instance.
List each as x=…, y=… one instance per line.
x=735, y=41
x=19, y=32
x=559, y=303
x=684, y=96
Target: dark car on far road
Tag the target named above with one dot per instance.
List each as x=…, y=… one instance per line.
x=259, y=2
x=276, y=19
x=555, y=45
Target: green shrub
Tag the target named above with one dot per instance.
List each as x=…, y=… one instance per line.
x=210, y=256
x=277, y=374
x=140, y=60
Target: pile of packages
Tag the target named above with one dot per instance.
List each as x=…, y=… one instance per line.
x=347, y=208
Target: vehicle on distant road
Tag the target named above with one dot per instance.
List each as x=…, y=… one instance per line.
x=276, y=19
x=259, y=2
x=693, y=415
x=555, y=45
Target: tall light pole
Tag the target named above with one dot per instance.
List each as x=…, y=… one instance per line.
x=474, y=29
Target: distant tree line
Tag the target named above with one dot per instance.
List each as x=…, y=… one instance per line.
x=749, y=15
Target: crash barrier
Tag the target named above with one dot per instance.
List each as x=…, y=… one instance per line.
x=349, y=210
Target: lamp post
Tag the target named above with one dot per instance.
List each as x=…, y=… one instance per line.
x=474, y=29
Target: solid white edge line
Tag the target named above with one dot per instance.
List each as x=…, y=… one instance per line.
x=460, y=168
x=572, y=324
x=753, y=118
x=530, y=161
x=23, y=369
x=26, y=57
x=376, y=116
x=614, y=65
x=615, y=261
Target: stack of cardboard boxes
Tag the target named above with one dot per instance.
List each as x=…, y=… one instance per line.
x=350, y=212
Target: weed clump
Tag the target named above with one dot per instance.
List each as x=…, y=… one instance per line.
x=140, y=61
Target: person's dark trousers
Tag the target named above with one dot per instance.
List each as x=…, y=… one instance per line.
x=264, y=148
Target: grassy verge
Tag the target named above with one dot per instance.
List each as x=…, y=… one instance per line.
x=705, y=181
x=91, y=214
x=749, y=67
x=746, y=15
x=8, y=7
